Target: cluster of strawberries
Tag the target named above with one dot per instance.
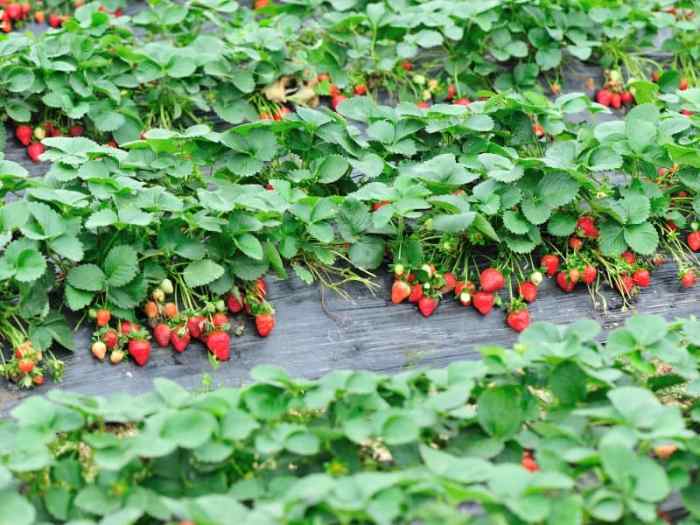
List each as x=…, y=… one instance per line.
x=614, y=94
x=25, y=366
x=277, y=113
x=13, y=13
x=31, y=137
x=425, y=287
x=170, y=327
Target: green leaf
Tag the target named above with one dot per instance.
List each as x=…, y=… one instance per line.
x=189, y=428
x=367, y=253
x=399, y=429
x=302, y=442
x=454, y=223
x=68, y=247
x=562, y=224
x=250, y=245
x=500, y=411
x=76, y=299
x=87, y=277
x=515, y=222
x=642, y=238
x=199, y=273
x=16, y=510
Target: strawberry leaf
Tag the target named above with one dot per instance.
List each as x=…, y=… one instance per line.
x=121, y=265
x=199, y=273
x=88, y=277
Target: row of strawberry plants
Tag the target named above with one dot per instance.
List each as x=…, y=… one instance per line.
x=200, y=216
x=560, y=429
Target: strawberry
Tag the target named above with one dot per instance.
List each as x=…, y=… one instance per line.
x=585, y=227
x=550, y=264
x=465, y=298
x=464, y=286
x=589, y=274
x=264, y=115
x=694, y=241
x=260, y=4
x=110, y=339
x=688, y=279
x=40, y=17
x=658, y=259
x=125, y=327
x=483, y=302
x=14, y=11
x=6, y=26
x=416, y=293
x=528, y=291
x=161, y=333
x=423, y=104
x=491, y=280
x=400, y=291
x=218, y=343
x=102, y=317
x=139, y=350
x=407, y=66
x=575, y=243
x=536, y=278
x=629, y=257
x=180, y=338
x=219, y=320
x=264, y=323
x=683, y=84
x=464, y=101
x=337, y=100
x=261, y=287
x=194, y=325
x=55, y=21
x=234, y=301
x=451, y=91
x=450, y=282
x=38, y=380
x=39, y=133
x=427, y=305
x=170, y=310
x=687, y=113
x=76, y=131
x=360, y=89
x=99, y=350
x=25, y=366
x=518, y=319
x=665, y=451
x=627, y=98
x=604, y=97
x=150, y=309
x=626, y=283
x=641, y=278
x=616, y=100
x=564, y=282
x=116, y=357
x=529, y=463
x=538, y=130
x=24, y=134
x=158, y=295
x=34, y=151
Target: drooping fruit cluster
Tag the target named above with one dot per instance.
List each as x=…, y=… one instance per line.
x=31, y=138
x=28, y=367
x=613, y=94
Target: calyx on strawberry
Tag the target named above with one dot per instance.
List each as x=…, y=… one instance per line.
x=491, y=280
x=483, y=302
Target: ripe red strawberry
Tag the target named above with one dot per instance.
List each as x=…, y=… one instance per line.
x=264, y=323
x=616, y=100
x=161, y=333
x=140, y=351
x=99, y=350
x=26, y=7
x=491, y=280
x=25, y=366
x=423, y=104
x=464, y=101
x=528, y=291
x=585, y=227
x=604, y=97
x=76, y=131
x=688, y=279
x=589, y=274
x=427, y=305
x=400, y=291
x=55, y=21
x=575, y=243
x=14, y=11
x=416, y=293
x=641, y=278
x=694, y=241
x=451, y=91
x=450, y=282
x=627, y=98
x=110, y=339
x=337, y=100
x=529, y=463
x=537, y=129
x=550, y=264
x=34, y=151
x=655, y=76
x=38, y=380
x=407, y=66
x=360, y=89
x=24, y=134
x=483, y=302
x=170, y=310
x=102, y=317
x=565, y=283
x=219, y=320
x=234, y=302
x=218, y=343
x=125, y=327
x=629, y=257
x=260, y=4
x=180, y=338
x=683, y=84
x=195, y=325
x=626, y=283
x=518, y=320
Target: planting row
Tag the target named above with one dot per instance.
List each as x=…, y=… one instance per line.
x=560, y=429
